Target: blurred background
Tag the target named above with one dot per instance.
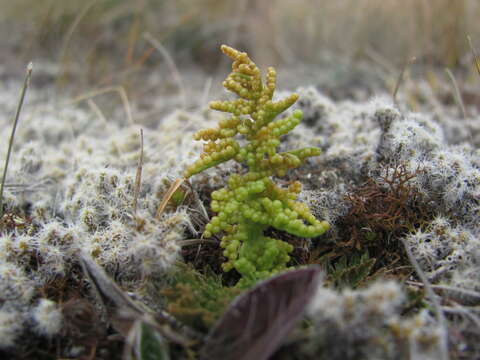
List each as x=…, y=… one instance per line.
x=348, y=48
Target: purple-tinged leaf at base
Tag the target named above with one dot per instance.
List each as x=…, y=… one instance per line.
x=257, y=322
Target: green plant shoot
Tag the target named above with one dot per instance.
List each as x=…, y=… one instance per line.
x=252, y=202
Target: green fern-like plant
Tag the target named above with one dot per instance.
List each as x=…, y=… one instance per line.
x=198, y=299
x=252, y=202
x=351, y=271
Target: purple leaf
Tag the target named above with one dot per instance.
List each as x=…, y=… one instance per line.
x=257, y=322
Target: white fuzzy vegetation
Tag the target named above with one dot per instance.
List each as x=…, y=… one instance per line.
x=367, y=324
x=368, y=140
x=361, y=140
x=47, y=318
x=11, y=326
x=442, y=249
x=71, y=184
x=73, y=174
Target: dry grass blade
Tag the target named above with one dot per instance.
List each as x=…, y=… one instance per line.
x=171, y=65
x=12, y=136
x=464, y=311
x=123, y=312
x=401, y=76
x=433, y=297
x=379, y=59
x=97, y=111
x=459, y=294
x=171, y=190
x=206, y=91
x=130, y=69
x=138, y=177
x=118, y=89
x=456, y=92
x=476, y=59
x=71, y=30
x=190, y=242
x=108, y=292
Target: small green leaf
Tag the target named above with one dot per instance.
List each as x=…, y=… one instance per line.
x=179, y=196
x=152, y=345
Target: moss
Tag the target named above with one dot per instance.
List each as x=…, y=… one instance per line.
x=198, y=299
x=382, y=211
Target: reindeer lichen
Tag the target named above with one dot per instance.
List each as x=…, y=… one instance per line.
x=252, y=202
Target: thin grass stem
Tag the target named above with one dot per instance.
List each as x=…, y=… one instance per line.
x=12, y=136
x=71, y=30
x=120, y=90
x=476, y=59
x=138, y=177
x=456, y=93
x=171, y=64
x=433, y=297
x=400, y=77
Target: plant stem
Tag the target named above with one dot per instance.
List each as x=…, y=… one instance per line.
x=456, y=93
x=400, y=77
x=433, y=297
x=138, y=177
x=12, y=136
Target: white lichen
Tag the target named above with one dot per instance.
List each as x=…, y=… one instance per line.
x=11, y=326
x=367, y=324
x=47, y=318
